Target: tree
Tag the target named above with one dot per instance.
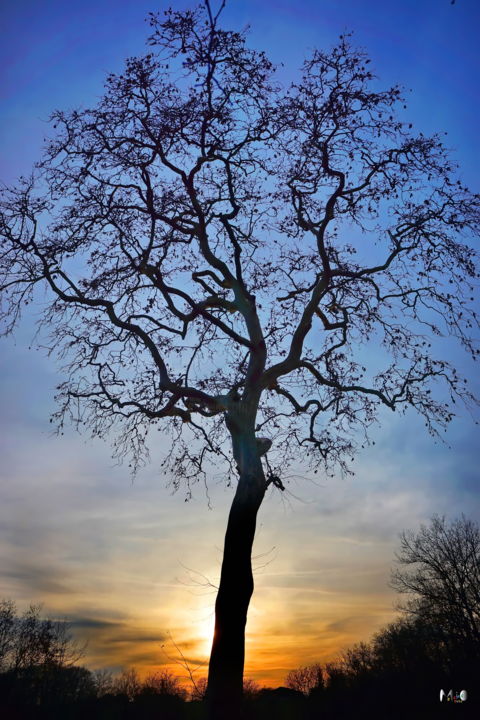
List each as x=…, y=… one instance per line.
x=127, y=684
x=305, y=679
x=221, y=256
x=439, y=571
x=7, y=631
x=163, y=683
x=30, y=640
x=251, y=689
x=37, y=658
x=103, y=682
x=198, y=692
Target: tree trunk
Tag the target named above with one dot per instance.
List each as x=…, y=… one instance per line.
x=225, y=676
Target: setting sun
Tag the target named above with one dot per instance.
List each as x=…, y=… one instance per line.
x=205, y=634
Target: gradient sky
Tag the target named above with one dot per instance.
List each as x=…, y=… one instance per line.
x=126, y=562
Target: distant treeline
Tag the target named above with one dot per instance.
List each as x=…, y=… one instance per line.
x=434, y=645
x=398, y=674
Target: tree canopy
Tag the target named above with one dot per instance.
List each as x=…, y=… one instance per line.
x=205, y=233
x=438, y=571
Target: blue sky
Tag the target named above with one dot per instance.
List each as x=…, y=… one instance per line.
x=110, y=555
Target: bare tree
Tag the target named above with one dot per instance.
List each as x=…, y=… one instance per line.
x=7, y=631
x=163, y=682
x=38, y=658
x=220, y=255
x=198, y=691
x=305, y=679
x=127, y=683
x=251, y=689
x=103, y=682
x=29, y=640
x=439, y=571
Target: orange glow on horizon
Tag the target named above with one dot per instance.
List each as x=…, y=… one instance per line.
x=276, y=642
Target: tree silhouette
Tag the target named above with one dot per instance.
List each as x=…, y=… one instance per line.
x=439, y=572
x=128, y=684
x=233, y=260
x=37, y=659
x=163, y=683
x=8, y=627
x=29, y=640
x=431, y=645
x=305, y=679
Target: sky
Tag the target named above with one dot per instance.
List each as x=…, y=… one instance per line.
x=130, y=564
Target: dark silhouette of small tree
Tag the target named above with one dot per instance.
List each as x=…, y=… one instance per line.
x=103, y=682
x=37, y=659
x=198, y=692
x=404, y=645
x=163, y=682
x=127, y=684
x=29, y=640
x=251, y=689
x=7, y=632
x=305, y=679
x=439, y=572
x=221, y=253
